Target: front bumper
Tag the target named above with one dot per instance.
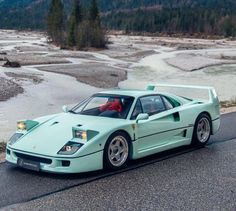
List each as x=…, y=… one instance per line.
x=91, y=162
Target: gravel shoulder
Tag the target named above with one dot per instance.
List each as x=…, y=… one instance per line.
x=2, y=157
x=2, y=151
x=228, y=110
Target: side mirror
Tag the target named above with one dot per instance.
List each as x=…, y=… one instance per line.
x=142, y=117
x=65, y=109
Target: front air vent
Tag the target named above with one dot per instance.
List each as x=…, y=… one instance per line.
x=65, y=163
x=33, y=158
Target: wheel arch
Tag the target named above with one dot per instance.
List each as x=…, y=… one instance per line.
x=128, y=135
x=209, y=115
x=122, y=131
x=129, y=140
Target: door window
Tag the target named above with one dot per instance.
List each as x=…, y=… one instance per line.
x=137, y=110
x=152, y=104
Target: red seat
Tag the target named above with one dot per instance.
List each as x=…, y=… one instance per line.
x=112, y=106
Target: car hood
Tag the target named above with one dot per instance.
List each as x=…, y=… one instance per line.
x=50, y=136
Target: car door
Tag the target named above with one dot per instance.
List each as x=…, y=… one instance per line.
x=161, y=130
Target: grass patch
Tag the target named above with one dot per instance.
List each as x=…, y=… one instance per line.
x=228, y=104
x=3, y=147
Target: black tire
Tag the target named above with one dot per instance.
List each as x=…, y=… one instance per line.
x=202, y=119
x=110, y=163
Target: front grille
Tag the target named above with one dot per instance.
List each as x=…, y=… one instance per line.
x=33, y=158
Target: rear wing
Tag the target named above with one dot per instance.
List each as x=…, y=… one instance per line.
x=213, y=98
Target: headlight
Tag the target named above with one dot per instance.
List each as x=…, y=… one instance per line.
x=15, y=138
x=21, y=126
x=70, y=148
x=84, y=135
x=81, y=134
x=26, y=125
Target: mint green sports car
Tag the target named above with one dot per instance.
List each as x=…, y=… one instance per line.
x=112, y=127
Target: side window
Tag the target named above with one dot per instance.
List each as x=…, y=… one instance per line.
x=168, y=104
x=152, y=104
x=137, y=110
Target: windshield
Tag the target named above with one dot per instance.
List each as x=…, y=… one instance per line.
x=112, y=106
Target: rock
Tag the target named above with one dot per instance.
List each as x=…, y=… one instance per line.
x=11, y=64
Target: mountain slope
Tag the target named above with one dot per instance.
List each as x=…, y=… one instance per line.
x=23, y=14
x=168, y=16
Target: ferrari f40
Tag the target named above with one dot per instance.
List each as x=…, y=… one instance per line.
x=112, y=127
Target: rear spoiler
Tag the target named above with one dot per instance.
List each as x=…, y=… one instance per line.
x=211, y=90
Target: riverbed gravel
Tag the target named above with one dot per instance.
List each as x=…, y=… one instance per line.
x=9, y=89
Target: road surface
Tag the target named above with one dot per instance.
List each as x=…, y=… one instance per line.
x=182, y=179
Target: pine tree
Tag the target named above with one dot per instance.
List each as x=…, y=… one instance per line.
x=55, y=22
x=74, y=21
x=84, y=35
x=94, y=12
x=90, y=33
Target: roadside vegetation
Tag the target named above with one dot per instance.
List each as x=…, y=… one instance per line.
x=81, y=30
x=2, y=147
x=228, y=104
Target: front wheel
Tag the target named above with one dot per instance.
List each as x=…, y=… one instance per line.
x=117, y=151
x=202, y=130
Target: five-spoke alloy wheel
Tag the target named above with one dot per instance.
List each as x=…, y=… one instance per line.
x=202, y=130
x=117, y=150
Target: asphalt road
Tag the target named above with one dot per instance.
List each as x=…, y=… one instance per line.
x=182, y=179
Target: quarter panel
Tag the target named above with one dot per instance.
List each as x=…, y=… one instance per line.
x=170, y=132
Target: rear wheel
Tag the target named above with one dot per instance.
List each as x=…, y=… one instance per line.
x=202, y=130
x=117, y=151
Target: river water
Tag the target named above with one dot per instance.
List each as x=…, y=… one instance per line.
x=57, y=90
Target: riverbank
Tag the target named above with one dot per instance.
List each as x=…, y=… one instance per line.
x=51, y=78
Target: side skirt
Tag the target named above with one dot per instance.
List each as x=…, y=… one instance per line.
x=158, y=148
